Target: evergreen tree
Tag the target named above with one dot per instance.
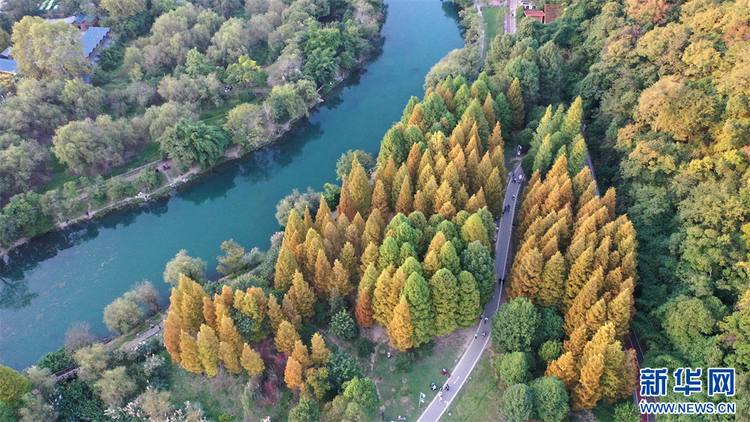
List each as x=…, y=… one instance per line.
x=493, y=191
x=301, y=354
x=364, y=312
x=577, y=153
x=572, y=124
x=343, y=326
x=381, y=311
x=449, y=258
x=209, y=313
x=417, y=294
x=576, y=315
x=503, y=114
x=388, y=253
x=444, y=297
x=489, y=110
x=516, y=105
x=393, y=146
x=565, y=369
x=401, y=330
x=579, y=274
x=191, y=305
x=302, y=296
x=251, y=361
x=286, y=337
x=190, y=356
x=397, y=286
x=474, y=230
x=290, y=314
x=517, y=403
x=208, y=348
x=476, y=259
x=293, y=373
x=588, y=392
x=618, y=312
x=544, y=156
x=320, y=352
x=347, y=205
x=550, y=72
x=360, y=188
x=275, y=314
x=230, y=359
x=172, y=334
x=228, y=333
x=527, y=280
x=552, y=286
x=340, y=279
x=404, y=204
x=322, y=275
x=468, y=300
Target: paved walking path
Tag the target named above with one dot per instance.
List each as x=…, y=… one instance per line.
x=510, y=18
x=481, y=37
x=463, y=369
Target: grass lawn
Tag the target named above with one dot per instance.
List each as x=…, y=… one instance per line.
x=479, y=398
x=218, y=395
x=494, y=17
x=399, y=391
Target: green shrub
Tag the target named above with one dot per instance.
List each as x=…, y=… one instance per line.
x=405, y=362
x=365, y=347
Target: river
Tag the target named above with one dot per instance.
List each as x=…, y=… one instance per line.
x=71, y=275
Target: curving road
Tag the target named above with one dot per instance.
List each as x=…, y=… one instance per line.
x=463, y=369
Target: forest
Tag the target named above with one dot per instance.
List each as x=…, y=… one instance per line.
x=409, y=248
x=195, y=83
x=664, y=92
x=655, y=91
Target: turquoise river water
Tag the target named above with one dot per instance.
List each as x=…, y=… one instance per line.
x=71, y=275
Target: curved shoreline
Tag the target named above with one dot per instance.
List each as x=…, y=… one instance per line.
x=195, y=172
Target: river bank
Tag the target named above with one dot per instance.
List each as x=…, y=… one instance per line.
x=72, y=274
x=234, y=153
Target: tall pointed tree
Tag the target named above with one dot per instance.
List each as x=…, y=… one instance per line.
x=322, y=276
x=208, y=348
x=320, y=352
x=360, y=188
x=293, y=374
x=516, y=105
x=228, y=333
x=302, y=296
x=301, y=354
x=230, y=359
x=444, y=297
x=286, y=337
x=401, y=330
x=417, y=294
x=347, y=206
x=251, y=361
x=381, y=311
x=468, y=300
x=286, y=265
x=364, y=312
x=190, y=355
